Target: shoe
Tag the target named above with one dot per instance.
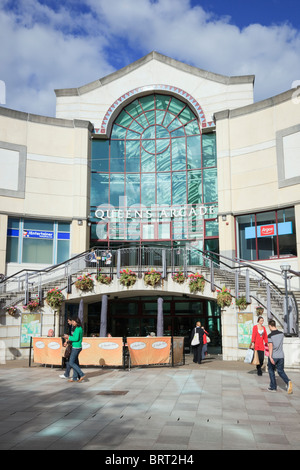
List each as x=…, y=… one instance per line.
x=71, y=380
x=290, y=387
x=63, y=376
x=81, y=379
x=271, y=389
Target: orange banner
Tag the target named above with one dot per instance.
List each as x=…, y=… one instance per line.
x=47, y=350
x=154, y=350
x=101, y=352
x=95, y=351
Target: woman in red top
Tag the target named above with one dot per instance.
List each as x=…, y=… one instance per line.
x=259, y=340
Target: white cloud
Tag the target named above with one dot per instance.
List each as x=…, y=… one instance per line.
x=81, y=41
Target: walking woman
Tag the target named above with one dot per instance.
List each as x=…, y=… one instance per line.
x=76, y=340
x=259, y=340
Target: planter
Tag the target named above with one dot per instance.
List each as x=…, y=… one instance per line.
x=197, y=282
x=12, y=311
x=224, y=298
x=32, y=305
x=178, y=277
x=241, y=303
x=85, y=283
x=54, y=298
x=128, y=277
x=104, y=279
x=259, y=311
x=152, y=277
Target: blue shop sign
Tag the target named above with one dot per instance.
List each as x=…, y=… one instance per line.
x=269, y=230
x=38, y=234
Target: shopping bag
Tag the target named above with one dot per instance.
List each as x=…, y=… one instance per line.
x=249, y=356
x=255, y=361
x=195, y=340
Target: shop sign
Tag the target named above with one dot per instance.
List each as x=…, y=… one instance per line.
x=38, y=234
x=284, y=228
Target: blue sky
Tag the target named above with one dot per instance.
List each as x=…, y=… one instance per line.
x=50, y=44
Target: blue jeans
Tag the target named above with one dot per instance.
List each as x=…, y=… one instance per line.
x=73, y=363
x=279, y=365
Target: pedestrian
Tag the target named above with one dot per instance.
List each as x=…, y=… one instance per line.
x=276, y=358
x=258, y=342
x=197, y=349
x=68, y=350
x=204, y=347
x=76, y=340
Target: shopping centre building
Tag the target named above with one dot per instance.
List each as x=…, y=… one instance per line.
x=162, y=162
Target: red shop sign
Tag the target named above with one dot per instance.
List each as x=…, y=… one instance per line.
x=267, y=230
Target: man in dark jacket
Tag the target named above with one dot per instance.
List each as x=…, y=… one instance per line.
x=197, y=350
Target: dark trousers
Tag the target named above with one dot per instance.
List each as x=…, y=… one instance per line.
x=197, y=350
x=261, y=356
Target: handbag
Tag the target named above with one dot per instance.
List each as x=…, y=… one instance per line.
x=256, y=360
x=207, y=339
x=68, y=351
x=195, y=341
x=249, y=356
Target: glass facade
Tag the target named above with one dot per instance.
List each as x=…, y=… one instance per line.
x=37, y=241
x=156, y=177
x=266, y=235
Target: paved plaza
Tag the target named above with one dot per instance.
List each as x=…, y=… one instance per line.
x=216, y=405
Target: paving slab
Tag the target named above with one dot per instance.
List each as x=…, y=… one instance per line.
x=217, y=405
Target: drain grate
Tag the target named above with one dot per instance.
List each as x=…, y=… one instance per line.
x=113, y=392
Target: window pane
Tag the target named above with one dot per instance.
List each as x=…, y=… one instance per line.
x=134, y=108
x=266, y=235
x=147, y=189
x=194, y=152
x=117, y=156
x=210, y=186
x=100, y=155
x=195, y=187
x=163, y=188
x=163, y=161
x=99, y=189
x=287, y=232
x=12, y=248
x=211, y=228
x=123, y=119
x=30, y=224
x=132, y=156
x=147, y=102
x=246, y=237
x=178, y=154
x=116, y=189
x=176, y=106
x=162, y=101
x=63, y=251
x=63, y=227
x=186, y=115
x=192, y=128
x=209, y=150
x=118, y=132
x=148, y=159
x=179, y=188
x=133, y=189
x=13, y=223
x=37, y=251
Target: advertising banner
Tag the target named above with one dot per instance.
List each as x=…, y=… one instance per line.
x=47, y=350
x=154, y=350
x=30, y=326
x=245, y=327
x=101, y=352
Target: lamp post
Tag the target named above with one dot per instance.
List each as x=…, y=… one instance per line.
x=284, y=271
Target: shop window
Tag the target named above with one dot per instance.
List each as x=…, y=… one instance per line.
x=37, y=241
x=266, y=235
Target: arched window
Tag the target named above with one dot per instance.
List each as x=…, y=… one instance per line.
x=156, y=155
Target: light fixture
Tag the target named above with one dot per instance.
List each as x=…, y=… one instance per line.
x=79, y=222
x=224, y=218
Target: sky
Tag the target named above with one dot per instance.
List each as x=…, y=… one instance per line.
x=50, y=44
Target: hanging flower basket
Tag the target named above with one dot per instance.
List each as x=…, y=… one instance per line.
x=224, y=297
x=54, y=298
x=178, y=277
x=11, y=310
x=259, y=311
x=152, y=277
x=197, y=282
x=84, y=283
x=104, y=279
x=241, y=303
x=32, y=305
x=128, y=277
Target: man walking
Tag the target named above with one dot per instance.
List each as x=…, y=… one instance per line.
x=276, y=358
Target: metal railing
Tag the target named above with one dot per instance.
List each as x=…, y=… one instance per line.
x=244, y=277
